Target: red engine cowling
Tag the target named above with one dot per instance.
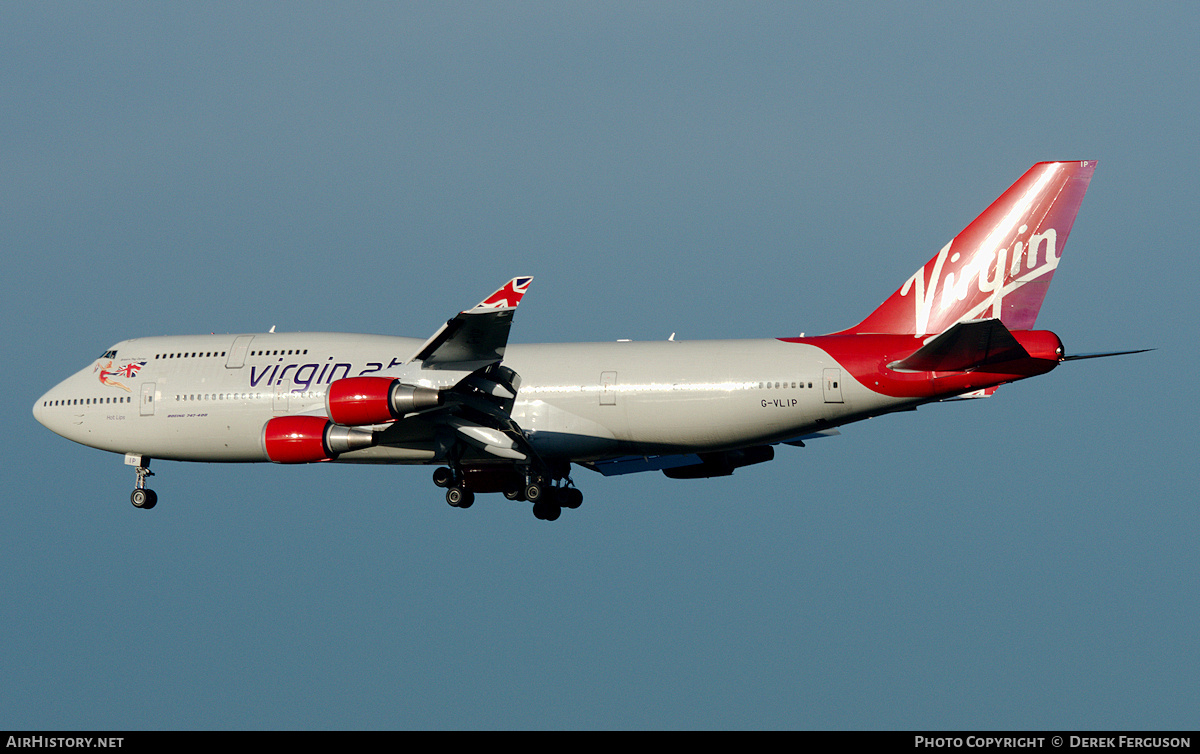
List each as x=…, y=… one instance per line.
x=355, y=401
x=307, y=439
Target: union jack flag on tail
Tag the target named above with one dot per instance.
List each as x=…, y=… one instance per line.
x=507, y=297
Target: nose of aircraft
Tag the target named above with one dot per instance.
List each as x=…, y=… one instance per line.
x=37, y=410
x=50, y=411
x=41, y=411
x=41, y=407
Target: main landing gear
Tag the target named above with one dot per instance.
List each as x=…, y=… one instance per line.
x=141, y=497
x=547, y=497
x=548, y=501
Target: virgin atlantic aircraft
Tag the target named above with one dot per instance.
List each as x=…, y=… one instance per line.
x=495, y=417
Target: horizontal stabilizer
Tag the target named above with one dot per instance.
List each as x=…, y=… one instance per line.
x=964, y=346
x=986, y=392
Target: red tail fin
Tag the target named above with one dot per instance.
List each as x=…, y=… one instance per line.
x=999, y=266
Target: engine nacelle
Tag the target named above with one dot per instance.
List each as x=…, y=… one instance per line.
x=307, y=439
x=355, y=401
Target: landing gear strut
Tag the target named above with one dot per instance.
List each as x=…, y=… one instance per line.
x=142, y=497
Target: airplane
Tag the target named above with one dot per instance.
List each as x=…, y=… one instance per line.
x=495, y=417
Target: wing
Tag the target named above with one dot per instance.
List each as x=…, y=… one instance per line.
x=476, y=337
x=478, y=406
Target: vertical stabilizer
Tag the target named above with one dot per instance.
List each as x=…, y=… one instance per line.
x=999, y=266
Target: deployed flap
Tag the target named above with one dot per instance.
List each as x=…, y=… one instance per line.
x=477, y=335
x=964, y=346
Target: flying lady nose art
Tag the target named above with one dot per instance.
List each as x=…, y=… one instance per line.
x=127, y=371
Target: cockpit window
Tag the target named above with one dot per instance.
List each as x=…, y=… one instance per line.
x=109, y=354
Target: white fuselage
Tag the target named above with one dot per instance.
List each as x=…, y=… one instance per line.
x=207, y=398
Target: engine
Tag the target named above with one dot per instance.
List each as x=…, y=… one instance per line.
x=355, y=401
x=307, y=439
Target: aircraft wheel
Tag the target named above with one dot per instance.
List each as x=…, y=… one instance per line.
x=457, y=497
x=534, y=492
x=443, y=477
x=546, y=511
x=514, y=494
x=144, y=499
x=572, y=498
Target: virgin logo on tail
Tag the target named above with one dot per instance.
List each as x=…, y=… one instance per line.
x=999, y=266
x=984, y=269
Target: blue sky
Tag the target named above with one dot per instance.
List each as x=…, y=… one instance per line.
x=710, y=169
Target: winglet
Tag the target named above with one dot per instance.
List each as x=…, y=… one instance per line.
x=478, y=335
x=507, y=297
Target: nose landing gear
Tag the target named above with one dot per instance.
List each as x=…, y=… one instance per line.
x=141, y=497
